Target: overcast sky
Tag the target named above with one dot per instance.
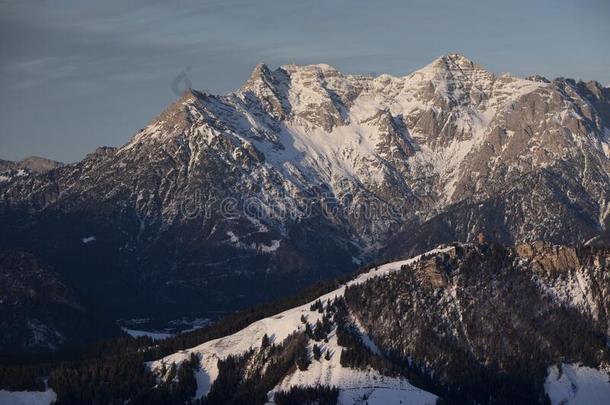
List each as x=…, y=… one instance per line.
x=77, y=74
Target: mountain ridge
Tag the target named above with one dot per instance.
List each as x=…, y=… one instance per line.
x=457, y=324
x=550, y=271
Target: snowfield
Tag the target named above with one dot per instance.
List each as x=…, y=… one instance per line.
x=153, y=335
x=27, y=397
x=575, y=384
x=355, y=386
x=88, y=239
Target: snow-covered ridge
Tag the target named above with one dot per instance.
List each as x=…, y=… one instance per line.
x=352, y=383
x=574, y=383
x=328, y=111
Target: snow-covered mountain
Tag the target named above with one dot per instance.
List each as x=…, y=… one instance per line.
x=221, y=197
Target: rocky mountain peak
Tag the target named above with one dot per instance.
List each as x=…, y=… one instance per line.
x=453, y=59
x=320, y=69
x=457, y=65
x=538, y=78
x=261, y=72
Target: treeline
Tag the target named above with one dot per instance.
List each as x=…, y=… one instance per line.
x=114, y=369
x=225, y=388
x=247, y=378
x=126, y=380
x=300, y=395
x=22, y=378
x=232, y=323
x=238, y=321
x=100, y=382
x=355, y=354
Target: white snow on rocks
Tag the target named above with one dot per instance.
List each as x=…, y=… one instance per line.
x=261, y=247
x=275, y=244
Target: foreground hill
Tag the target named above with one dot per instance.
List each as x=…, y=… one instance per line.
x=462, y=323
x=468, y=322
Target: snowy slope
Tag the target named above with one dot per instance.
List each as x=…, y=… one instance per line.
x=27, y=397
x=441, y=288
x=153, y=335
x=575, y=384
x=353, y=384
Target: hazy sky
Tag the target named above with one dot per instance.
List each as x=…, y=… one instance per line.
x=77, y=74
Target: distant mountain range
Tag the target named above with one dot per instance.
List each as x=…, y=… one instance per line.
x=33, y=163
x=303, y=174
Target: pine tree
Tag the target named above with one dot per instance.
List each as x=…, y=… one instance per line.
x=319, y=332
x=317, y=352
x=317, y=305
x=265, y=343
x=302, y=359
x=308, y=330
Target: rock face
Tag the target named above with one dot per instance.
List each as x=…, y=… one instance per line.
x=220, y=197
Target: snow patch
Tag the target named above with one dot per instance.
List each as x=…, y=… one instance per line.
x=43, y=335
x=275, y=244
x=27, y=397
x=141, y=327
x=153, y=335
x=383, y=395
x=232, y=237
x=261, y=247
x=88, y=239
x=575, y=384
x=364, y=386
